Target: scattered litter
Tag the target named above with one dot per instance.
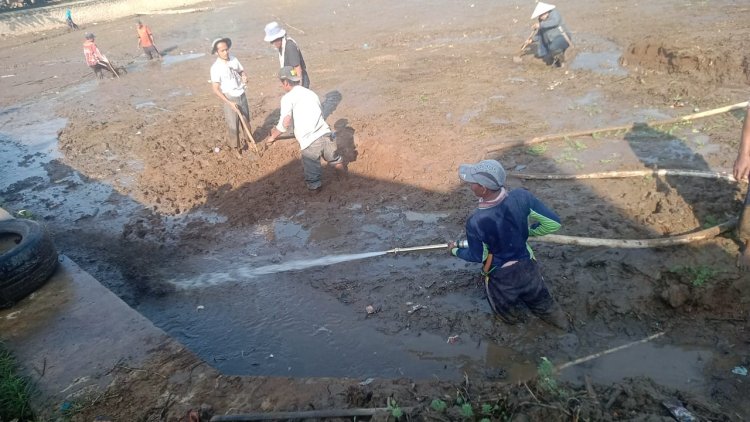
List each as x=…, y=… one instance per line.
x=414, y=308
x=453, y=339
x=7, y=76
x=217, y=150
x=201, y=307
x=679, y=412
x=271, y=356
x=138, y=133
x=520, y=167
x=24, y=213
x=740, y=370
x=322, y=329
x=409, y=303
x=13, y=315
x=367, y=381
x=370, y=309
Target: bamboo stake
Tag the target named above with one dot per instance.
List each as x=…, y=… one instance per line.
x=308, y=414
x=587, y=132
x=625, y=174
x=633, y=243
x=606, y=352
x=247, y=132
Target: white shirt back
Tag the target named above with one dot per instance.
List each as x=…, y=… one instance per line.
x=304, y=107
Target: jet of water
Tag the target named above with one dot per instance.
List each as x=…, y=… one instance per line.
x=243, y=273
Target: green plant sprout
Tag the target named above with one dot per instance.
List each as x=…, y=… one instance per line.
x=538, y=149
x=438, y=405
x=394, y=408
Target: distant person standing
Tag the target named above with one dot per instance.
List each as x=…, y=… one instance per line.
x=146, y=41
x=551, y=34
x=69, y=20
x=741, y=171
x=94, y=58
x=289, y=53
x=228, y=79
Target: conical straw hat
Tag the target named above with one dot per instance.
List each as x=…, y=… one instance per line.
x=541, y=8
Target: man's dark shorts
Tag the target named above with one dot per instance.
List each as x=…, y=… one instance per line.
x=151, y=52
x=514, y=289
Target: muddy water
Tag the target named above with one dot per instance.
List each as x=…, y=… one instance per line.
x=674, y=366
x=278, y=326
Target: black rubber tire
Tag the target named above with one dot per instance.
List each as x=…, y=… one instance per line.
x=26, y=266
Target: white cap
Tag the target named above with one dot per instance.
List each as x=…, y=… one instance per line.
x=274, y=31
x=541, y=8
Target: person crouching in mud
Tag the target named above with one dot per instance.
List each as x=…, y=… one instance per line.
x=552, y=37
x=497, y=233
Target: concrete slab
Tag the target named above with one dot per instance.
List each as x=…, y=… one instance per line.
x=70, y=334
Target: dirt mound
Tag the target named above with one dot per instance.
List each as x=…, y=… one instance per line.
x=721, y=64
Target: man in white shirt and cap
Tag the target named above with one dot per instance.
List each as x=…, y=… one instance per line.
x=552, y=36
x=289, y=53
x=310, y=128
x=228, y=80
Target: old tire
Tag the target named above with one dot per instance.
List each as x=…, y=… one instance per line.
x=27, y=259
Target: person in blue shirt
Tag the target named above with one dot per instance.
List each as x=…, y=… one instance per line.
x=69, y=20
x=497, y=233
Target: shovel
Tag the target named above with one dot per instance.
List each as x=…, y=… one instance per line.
x=247, y=132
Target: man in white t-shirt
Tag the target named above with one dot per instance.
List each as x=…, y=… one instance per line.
x=229, y=79
x=310, y=129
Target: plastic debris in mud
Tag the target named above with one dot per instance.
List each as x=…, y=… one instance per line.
x=678, y=411
x=740, y=370
x=414, y=308
x=367, y=381
x=453, y=339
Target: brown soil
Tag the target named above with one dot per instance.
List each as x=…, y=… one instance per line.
x=418, y=90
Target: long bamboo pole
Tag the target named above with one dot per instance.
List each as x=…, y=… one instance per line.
x=587, y=132
x=625, y=174
x=307, y=414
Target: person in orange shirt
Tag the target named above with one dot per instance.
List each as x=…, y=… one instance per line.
x=146, y=41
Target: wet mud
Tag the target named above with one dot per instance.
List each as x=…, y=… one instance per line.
x=126, y=175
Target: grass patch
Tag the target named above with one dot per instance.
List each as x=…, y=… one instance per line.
x=710, y=221
x=547, y=381
x=15, y=390
x=697, y=275
x=537, y=149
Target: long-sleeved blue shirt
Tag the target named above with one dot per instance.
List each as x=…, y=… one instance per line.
x=504, y=228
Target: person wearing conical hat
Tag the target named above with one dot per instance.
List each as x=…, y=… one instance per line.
x=289, y=52
x=552, y=36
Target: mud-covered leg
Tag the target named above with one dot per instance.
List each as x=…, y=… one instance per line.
x=743, y=232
